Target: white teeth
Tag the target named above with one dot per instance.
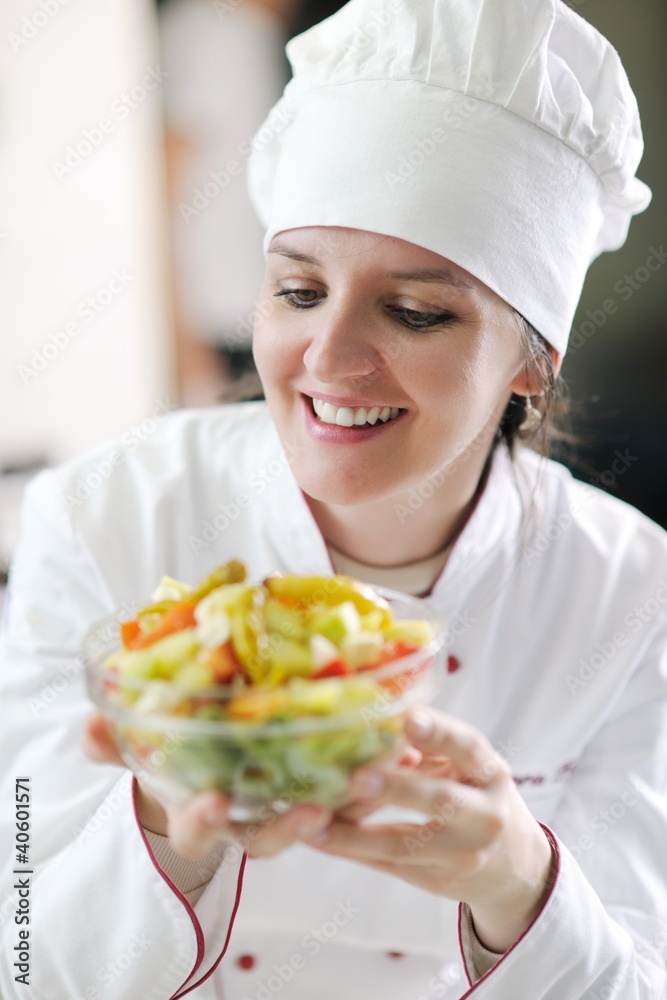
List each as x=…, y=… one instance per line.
x=328, y=413
x=347, y=416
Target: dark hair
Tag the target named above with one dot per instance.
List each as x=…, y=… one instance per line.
x=552, y=402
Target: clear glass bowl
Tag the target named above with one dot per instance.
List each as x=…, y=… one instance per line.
x=267, y=766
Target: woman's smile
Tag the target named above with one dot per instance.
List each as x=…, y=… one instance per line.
x=384, y=344
x=347, y=424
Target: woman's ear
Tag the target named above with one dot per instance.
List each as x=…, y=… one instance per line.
x=527, y=382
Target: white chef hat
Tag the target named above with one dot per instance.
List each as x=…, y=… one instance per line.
x=501, y=134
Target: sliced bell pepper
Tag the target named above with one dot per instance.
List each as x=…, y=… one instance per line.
x=181, y=616
x=129, y=631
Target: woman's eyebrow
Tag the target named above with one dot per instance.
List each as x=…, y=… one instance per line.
x=443, y=275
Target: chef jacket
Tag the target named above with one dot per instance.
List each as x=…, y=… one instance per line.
x=555, y=598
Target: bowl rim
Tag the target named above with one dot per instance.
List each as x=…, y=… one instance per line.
x=425, y=686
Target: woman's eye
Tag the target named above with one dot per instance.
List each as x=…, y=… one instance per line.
x=301, y=298
x=416, y=320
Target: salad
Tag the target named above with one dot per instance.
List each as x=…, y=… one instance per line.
x=261, y=685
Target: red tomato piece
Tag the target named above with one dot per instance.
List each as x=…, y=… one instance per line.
x=337, y=668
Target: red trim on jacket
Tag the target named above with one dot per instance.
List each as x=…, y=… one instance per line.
x=201, y=948
x=237, y=901
x=556, y=855
x=191, y=913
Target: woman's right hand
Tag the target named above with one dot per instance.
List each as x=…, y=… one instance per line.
x=194, y=826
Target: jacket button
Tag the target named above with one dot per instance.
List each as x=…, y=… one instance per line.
x=395, y=954
x=453, y=664
x=245, y=961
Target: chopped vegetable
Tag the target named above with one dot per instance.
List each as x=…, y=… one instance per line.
x=288, y=649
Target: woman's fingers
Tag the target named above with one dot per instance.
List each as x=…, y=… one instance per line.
x=194, y=826
x=275, y=835
x=468, y=750
x=98, y=742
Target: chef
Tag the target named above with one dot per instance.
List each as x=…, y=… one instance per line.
x=446, y=175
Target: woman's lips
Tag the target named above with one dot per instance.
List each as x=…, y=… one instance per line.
x=334, y=434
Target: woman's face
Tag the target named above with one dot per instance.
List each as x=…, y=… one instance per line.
x=351, y=323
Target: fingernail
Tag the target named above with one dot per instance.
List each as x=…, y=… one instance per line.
x=419, y=724
x=369, y=782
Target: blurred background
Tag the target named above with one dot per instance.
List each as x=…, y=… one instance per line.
x=130, y=257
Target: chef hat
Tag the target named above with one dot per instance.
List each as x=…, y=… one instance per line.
x=504, y=136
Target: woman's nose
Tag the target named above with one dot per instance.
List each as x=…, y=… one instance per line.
x=340, y=347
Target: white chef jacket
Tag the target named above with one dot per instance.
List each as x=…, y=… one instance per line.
x=555, y=595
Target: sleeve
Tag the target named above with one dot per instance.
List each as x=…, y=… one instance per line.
x=102, y=917
x=478, y=959
x=602, y=931
x=191, y=877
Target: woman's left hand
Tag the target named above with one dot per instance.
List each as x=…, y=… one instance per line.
x=479, y=842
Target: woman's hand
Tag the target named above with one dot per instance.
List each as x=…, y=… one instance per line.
x=194, y=826
x=479, y=842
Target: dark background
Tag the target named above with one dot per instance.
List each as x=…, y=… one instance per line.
x=618, y=377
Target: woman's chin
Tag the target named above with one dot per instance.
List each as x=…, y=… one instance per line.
x=335, y=489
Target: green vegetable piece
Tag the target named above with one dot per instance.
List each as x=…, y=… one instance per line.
x=287, y=621
x=290, y=657
x=163, y=658
x=337, y=623
x=194, y=676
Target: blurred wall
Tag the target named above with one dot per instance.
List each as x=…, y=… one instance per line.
x=83, y=318
x=617, y=362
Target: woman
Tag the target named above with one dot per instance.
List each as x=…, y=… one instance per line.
x=431, y=205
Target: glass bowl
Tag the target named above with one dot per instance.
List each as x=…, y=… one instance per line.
x=265, y=766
